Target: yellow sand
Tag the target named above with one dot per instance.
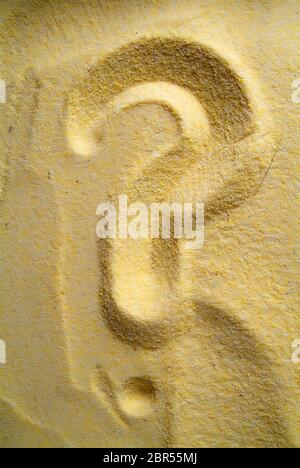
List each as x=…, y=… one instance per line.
x=140, y=343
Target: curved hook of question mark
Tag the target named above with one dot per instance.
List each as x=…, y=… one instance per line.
x=217, y=156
